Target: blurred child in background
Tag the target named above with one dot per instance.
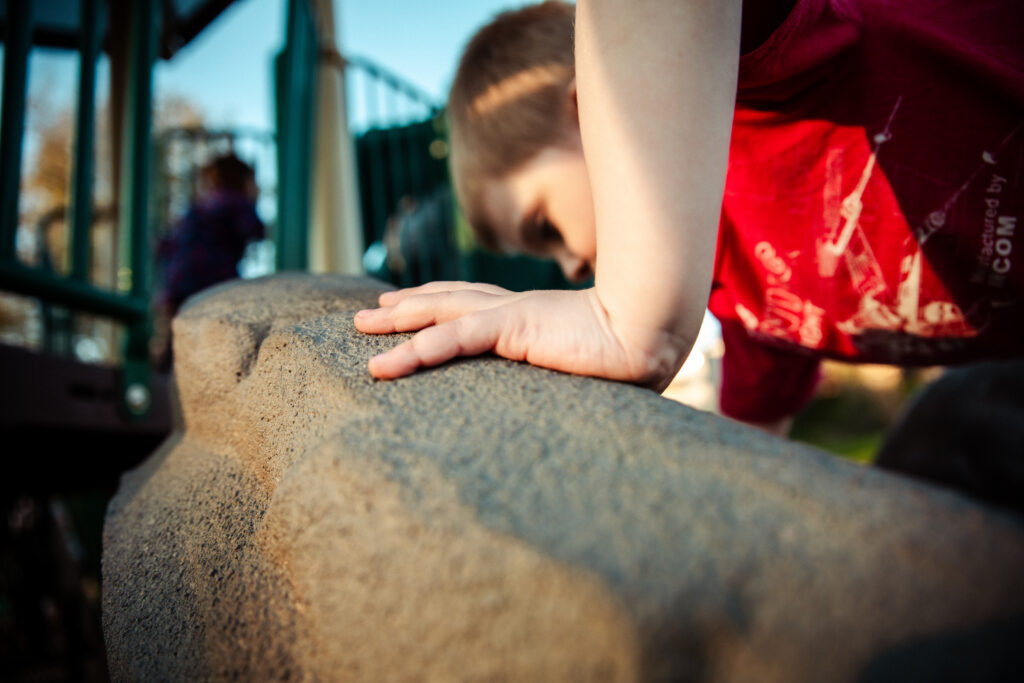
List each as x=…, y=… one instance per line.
x=205, y=246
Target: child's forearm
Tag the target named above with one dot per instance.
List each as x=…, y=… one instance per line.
x=656, y=86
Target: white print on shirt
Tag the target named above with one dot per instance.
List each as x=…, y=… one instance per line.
x=786, y=315
x=778, y=270
x=995, y=257
x=995, y=260
x=747, y=317
x=845, y=237
x=833, y=245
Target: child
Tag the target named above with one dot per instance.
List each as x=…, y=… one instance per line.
x=875, y=175
x=206, y=245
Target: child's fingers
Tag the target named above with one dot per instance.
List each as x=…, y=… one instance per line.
x=392, y=298
x=466, y=336
x=424, y=310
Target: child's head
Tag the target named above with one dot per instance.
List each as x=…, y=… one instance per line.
x=228, y=173
x=517, y=161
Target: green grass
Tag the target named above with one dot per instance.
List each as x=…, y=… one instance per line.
x=850, y=424
x=859, y=448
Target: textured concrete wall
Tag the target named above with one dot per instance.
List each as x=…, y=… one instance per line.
x=488, y=520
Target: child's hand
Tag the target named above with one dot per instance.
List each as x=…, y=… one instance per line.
x=562, y=330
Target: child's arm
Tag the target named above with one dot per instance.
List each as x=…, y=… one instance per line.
x=657, y=90
x=656, y=82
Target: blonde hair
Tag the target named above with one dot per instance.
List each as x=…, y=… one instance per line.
x=509, y=100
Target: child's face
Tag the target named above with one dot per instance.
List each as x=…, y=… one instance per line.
x=545, y=209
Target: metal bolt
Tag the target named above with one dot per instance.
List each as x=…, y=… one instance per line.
x=136, y=396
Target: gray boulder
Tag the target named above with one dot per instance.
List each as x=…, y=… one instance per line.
x=487, y=520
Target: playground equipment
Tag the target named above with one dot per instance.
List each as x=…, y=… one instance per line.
x=130, y=399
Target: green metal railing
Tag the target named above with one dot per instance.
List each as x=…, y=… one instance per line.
x=397, y=156
x=130, y=304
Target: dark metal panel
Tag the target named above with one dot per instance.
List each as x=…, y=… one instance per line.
x=49, y=393
x=185, y=19
x=58, y=21
x=55, y=22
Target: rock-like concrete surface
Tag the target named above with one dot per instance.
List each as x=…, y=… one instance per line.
x=487, y=520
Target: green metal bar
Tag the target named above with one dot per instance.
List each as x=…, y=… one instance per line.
x=134, y=212
x=295, y=66
x=135, y=386
x=370, y=85
x=374, y=141
x=81, y=198
x=20, y=279
x=375, y=151
x=17, y=43
x=419, y=140
x=399, y=187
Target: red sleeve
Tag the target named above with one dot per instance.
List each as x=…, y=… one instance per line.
x=762, y=383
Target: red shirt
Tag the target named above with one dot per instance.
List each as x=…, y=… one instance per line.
x=874, y=191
